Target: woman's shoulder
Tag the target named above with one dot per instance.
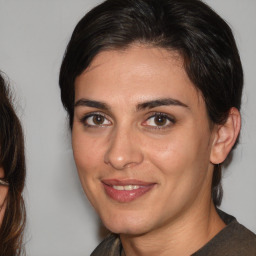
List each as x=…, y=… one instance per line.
x=110, y=246
x=233, y=240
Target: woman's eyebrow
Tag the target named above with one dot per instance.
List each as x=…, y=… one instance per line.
x=92, y=104
x=140, y=106
x=160, y=102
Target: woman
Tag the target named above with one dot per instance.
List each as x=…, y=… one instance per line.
x=12, y=177
x=153, y=92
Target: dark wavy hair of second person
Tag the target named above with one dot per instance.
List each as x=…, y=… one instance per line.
x=12, y=162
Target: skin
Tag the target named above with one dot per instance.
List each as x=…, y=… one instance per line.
x=177, y=215
x=3, y=194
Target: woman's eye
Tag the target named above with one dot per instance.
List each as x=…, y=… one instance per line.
x=159, y=121
x=95, y=120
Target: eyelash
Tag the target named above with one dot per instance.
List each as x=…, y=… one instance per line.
x=85, y=118
x=169, y=118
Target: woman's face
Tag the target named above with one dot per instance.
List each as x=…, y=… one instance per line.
x=3, y=194
x=141, y=139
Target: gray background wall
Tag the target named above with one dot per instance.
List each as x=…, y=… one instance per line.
x=33, y=36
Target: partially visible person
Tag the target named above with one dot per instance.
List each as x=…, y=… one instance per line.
x=12, y=177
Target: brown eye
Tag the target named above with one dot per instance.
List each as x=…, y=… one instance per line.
x=98, y=120
x=95, y=120
x=160, y=120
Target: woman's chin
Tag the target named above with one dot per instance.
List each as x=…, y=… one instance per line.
x=127, y=230
x=128, y=226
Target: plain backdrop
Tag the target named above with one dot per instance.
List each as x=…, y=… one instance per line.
x=33, y=37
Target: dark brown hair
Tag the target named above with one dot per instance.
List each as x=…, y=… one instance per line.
x=13, y=162
x=202, y=38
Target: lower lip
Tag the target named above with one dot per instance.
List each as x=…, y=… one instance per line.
x=125, y=196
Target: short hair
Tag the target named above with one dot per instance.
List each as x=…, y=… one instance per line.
x=190, y=27
x=13, y=162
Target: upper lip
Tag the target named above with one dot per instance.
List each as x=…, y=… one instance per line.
x=125, y=182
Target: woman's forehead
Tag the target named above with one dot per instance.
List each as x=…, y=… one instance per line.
x=137, y=74
x=146, y=50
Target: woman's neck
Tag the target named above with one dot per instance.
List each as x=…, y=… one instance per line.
x=184, y=236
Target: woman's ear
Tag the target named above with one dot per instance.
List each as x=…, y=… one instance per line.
x=225, y=137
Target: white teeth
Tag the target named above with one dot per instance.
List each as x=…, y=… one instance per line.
x=127, y=187
x=118, y=187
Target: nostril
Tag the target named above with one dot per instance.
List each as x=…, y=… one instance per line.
x=122, y=151
x=121, y=159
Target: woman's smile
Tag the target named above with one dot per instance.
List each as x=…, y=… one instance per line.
x=127, y=190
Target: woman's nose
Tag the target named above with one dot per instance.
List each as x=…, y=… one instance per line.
x=124, y=150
